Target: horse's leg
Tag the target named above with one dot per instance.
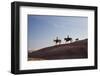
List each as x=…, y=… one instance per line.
x=60, y=42
x=71, y=41
x=56, y=43
x=65, y=41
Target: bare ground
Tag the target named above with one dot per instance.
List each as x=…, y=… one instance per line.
x=73, y=50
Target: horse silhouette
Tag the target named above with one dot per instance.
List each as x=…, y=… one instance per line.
x=77, y=39
x=68, y=39
x=57, y=41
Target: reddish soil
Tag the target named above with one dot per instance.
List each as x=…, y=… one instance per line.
x=74, y=50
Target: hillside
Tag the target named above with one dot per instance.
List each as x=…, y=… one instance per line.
x=73, y=50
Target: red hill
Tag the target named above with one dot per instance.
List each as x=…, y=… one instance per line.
x=73, y=50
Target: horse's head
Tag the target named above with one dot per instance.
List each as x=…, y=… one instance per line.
x=65, y=38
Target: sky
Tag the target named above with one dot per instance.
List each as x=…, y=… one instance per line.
x=43, y=29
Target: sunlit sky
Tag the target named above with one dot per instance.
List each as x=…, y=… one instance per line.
x=42, y=30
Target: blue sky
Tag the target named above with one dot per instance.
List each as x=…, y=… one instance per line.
x=42, y=30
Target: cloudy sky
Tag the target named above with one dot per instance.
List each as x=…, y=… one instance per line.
x=42, y=30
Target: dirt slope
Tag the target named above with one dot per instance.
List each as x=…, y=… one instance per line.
x=73, y=50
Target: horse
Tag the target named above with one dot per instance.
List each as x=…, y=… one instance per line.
x=68, y=39
x=57, y=41
x=77, y=39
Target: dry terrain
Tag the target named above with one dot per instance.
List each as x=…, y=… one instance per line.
x=74, y=50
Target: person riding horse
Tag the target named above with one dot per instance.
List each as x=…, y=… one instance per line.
x=68, y=39
x=57, y=41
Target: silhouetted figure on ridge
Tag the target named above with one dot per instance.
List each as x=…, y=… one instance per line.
x=57, y=41
x=77, y=39
x=68, y=39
